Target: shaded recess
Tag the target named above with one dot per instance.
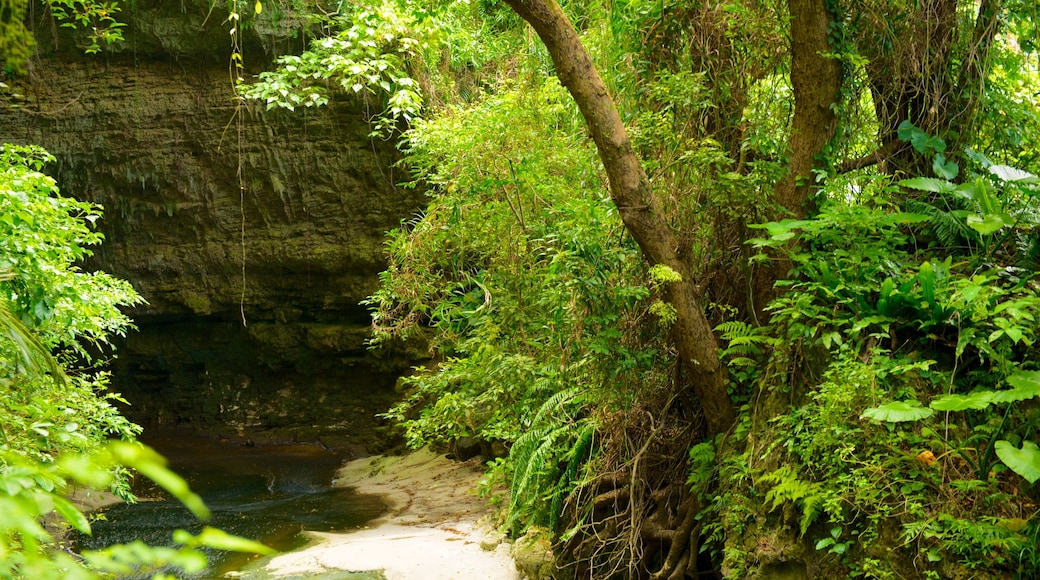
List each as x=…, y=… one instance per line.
x=188, y=179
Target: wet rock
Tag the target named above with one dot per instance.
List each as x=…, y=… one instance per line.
x=253, y=235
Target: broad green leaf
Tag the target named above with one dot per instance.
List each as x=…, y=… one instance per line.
x=928, y=184
x=1028, y=380
x=943, y=168
x=898, y=412
x=1026, y=386
x=976, y=400
x=1005, y=173
x=1024, y=461
x=988, y=223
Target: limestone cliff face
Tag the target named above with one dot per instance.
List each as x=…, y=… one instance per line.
x=253, y=235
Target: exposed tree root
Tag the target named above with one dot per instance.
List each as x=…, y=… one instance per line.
x=638, y=518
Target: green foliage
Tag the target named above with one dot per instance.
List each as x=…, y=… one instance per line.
x=32, y=492
x=48, y=303
x=395, y=55
x=787, y=488
x=547, y=459
x=371, y=54
x=530, y=297
x=898, y=307
x=59, y=428
x=746, y=348
x=1025, y=461
x=96, y=18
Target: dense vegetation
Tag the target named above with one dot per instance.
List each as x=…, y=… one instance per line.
x=850, y=193
x=795, y=337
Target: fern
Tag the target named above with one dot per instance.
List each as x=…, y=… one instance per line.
x=576, y=456
x=745, y=342
x=546, y=461
x=536, y=455
x=809, y=497
x=1029, y=253
x=950, y=230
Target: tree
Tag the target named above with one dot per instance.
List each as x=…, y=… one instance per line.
x=639, y=209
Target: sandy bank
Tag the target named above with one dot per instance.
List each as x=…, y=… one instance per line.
x=431, y=531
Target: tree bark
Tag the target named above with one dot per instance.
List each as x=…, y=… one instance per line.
x=816, y=79
x=639, y=209
x=922, y=72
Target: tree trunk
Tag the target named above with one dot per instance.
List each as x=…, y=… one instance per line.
x=639, y=209
x=921, y=72
x=816, y=79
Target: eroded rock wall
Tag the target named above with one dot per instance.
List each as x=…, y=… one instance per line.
x=252, y=234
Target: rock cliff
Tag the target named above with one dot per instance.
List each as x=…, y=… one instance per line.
x=253, y=235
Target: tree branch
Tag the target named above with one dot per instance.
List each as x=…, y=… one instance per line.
x=873, y=158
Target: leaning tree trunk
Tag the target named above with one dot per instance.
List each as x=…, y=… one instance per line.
x=639, y=209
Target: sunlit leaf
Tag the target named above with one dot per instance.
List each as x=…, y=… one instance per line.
x=73, y=516
x=988, y=223
x=956, y=402
x=1024, y=461
x=928, y=184
x=1006, y=173
x=898, y=412
x=153, y=466
x=221, y=540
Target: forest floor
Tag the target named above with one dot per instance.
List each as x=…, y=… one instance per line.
x=433, y=529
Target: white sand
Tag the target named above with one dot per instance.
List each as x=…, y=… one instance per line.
x=430, y=533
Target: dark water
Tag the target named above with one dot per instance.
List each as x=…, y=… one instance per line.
x=269, y=494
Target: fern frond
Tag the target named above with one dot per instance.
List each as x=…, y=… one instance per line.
x=538, y=449
x=1028, y=253
x=557, y=401
x=576, y=456
x=807, y=496
x=732, y=328
x=949, y=230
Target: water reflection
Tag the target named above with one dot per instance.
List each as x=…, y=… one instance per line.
x=270, y=494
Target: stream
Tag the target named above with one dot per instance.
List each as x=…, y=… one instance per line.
x=265, y=493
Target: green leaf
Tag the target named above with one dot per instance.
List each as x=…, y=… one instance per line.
x=989, y=223
x=898, y=412
x=824, y=543
x=73, y=516
x=1026, y=386
x=221, y=540
x=928, y=184
x=976, y=400
x=664, y=274
x=1006, y=173
x=1026, y=380
x=153, y=466
x=1024, y=461
x=943, y=168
